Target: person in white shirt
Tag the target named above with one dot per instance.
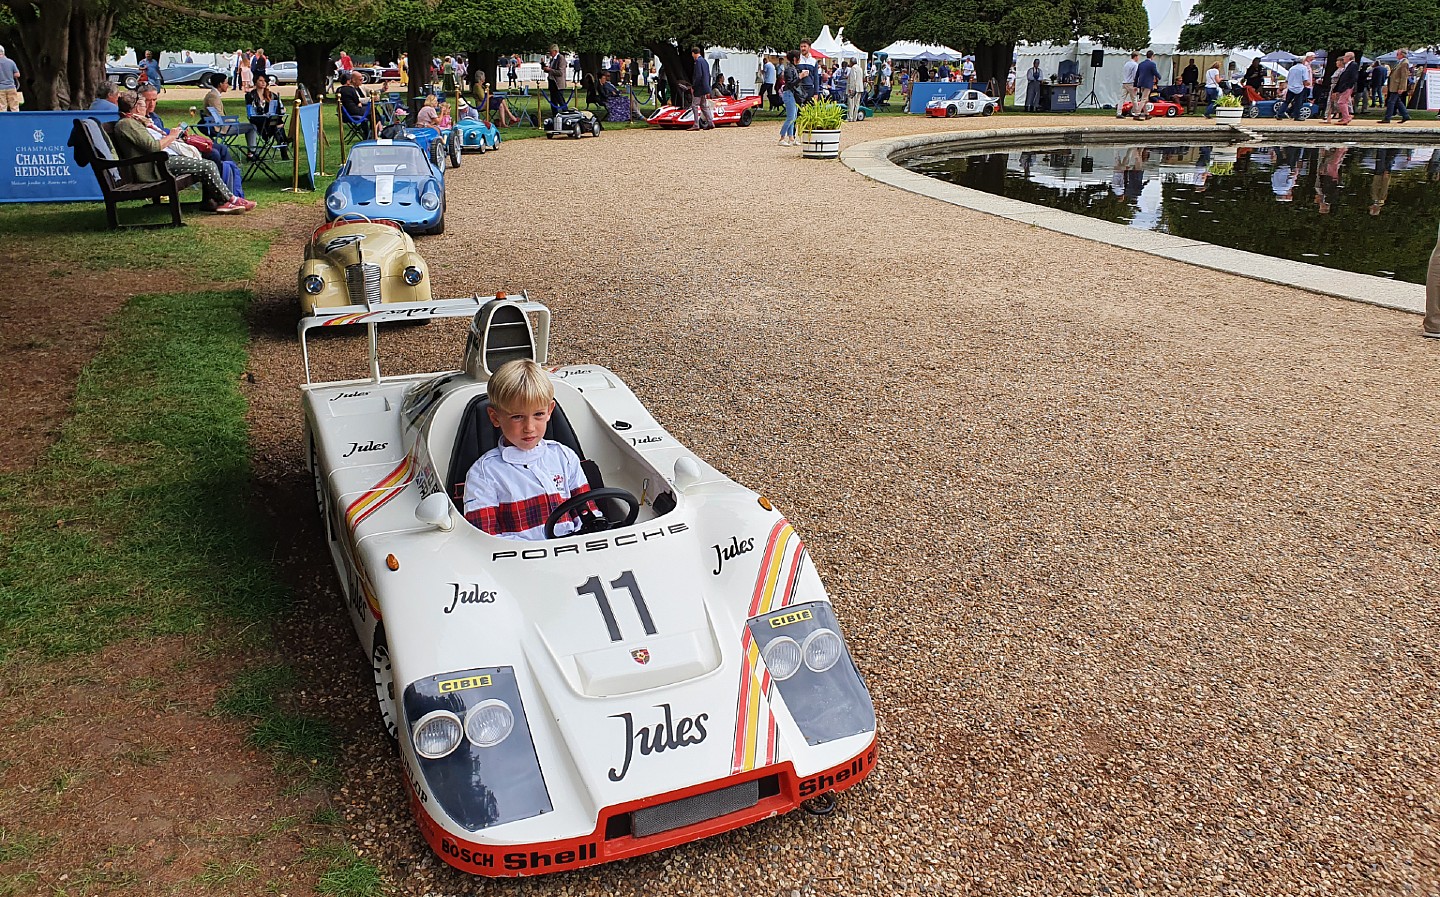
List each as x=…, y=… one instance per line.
x=513, y=488
x=1298, y=82
x=1212, y=87
x=1127, y=84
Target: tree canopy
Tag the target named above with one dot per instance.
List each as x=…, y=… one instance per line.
x=1300, y=25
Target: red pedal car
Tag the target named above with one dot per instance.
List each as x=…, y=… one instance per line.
x=1158, y=107
x=725, y=110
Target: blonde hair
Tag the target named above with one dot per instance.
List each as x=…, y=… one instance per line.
x=520, y=384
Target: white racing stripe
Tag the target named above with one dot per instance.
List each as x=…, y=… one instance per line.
x=384, y=189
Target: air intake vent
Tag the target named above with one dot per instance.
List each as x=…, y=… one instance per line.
x=690, y=810
x=507, y=337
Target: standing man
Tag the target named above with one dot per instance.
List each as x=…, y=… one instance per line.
x=809, y=68
x=151, y=68
x=1190, y=77
x=1379, y=77
x=854, y=90
x=1147, y=78
x=767, y=80
x=1399, y=88
x=1032, y=87
x=700, y=92
x=1298, y=82
x=1127, y=85
x=1341, y=98
x=554, y=68
x=260, y=65
x=9, y=84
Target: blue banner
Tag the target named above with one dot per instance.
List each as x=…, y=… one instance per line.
x=36, y=161
x=310, y=133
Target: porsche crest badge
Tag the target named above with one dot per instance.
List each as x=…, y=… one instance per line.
x=641, y=655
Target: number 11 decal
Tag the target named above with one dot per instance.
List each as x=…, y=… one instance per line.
x=624, y=581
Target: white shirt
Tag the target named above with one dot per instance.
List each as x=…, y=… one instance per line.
x=1127, y=74
x=510, y=492
x=1298, y=76
x=1212, y=78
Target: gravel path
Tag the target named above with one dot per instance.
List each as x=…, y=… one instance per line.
x=1140, y=560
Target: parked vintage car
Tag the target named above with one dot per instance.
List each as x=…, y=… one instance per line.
x=673, y=672
x=1156, y=107
x=357, y=263
x=724, y=111
x=477, y=136
x=962, y=102
x=572, y=123
x=393, y=179
x=283, y=72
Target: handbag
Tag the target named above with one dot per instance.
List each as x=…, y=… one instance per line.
x=200, y=142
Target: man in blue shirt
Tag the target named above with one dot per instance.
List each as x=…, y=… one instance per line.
x=1147, y=76
x=700, y=92
x=9, y=84
x=1298, y=82
x=151, y=68
x=105, y=95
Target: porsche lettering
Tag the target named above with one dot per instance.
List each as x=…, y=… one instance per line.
x=449, y=685
x=535, y=554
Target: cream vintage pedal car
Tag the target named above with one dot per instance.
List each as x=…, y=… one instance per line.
x=355, y=262
x=569, y=702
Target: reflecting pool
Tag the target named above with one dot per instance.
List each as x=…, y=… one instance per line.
x=1370, y=209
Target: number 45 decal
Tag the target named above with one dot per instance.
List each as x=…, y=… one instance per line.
x=624, y=581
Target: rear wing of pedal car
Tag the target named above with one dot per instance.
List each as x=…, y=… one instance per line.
x=398, y=312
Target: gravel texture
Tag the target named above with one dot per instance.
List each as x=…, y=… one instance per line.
x=1139, y=560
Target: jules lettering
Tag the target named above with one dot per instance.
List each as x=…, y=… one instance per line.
x=646, y=440
x=468, y=593
x=667, y=735
x=371, y=446
x=730, y=552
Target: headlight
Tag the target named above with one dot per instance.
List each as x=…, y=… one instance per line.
x=413, y=275
x=430, y=199
x=782, y=657
x=822, y=649
x=489, y=723
x=314, y=283
x=437, y=734
x=336, y=202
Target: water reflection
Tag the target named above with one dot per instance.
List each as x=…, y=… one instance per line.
x=1366, y=209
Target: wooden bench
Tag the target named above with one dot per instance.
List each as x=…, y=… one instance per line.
x=93, y=147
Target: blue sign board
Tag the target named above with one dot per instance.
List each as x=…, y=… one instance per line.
x=36, y=161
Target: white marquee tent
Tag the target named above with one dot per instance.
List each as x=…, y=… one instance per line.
x=836, y=46
x=903, y=50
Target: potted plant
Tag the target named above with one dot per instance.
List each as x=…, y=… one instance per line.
x=819, y=127
x=1228, y=110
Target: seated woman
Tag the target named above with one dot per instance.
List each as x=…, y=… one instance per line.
x=493, y=102
x=429, y=114
x=266, y=112
x=134, y=136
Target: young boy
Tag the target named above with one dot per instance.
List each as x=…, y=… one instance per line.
x=512, y=489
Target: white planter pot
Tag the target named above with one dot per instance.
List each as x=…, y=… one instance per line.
x=821, y=144
x=1228, y=115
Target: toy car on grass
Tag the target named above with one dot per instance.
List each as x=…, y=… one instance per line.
x=356, y=261
x=675, y=672
x=962, y=102
x=392, y=179
x=476, y=135
x=724, y=111
x=572, y=122
x=1156, y=107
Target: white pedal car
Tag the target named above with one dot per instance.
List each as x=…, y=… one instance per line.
x=568, y=702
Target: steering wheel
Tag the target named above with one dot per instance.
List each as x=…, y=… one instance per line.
x=342, y=219
x=575, y=502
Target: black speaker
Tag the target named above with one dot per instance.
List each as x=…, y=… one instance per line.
x=1097, y=58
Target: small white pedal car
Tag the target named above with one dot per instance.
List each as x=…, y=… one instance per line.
x=675, y=672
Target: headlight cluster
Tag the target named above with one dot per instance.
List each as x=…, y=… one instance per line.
x=314, y=283
x=438, y=732
x=413, y=275
x=430, y=198
x=336, y=202
x=820, y=651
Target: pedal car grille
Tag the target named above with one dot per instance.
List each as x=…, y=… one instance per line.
x=690, y=810
x=363, y=282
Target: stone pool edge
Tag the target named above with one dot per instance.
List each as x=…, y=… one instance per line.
x=875, y=160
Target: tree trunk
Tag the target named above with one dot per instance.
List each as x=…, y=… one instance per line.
x=420, y=46
x=483, y=61
x=675, y=66
x=312, y=63
x=61, y=51
x=993, y=61
x=590, y=65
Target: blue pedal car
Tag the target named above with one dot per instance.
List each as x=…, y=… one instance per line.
x=394, y=179
x=477, y=136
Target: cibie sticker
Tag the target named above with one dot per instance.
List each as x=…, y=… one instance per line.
x=793, y=617
x=449, y=685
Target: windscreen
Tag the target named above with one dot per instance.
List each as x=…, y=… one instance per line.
x=397, y=158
